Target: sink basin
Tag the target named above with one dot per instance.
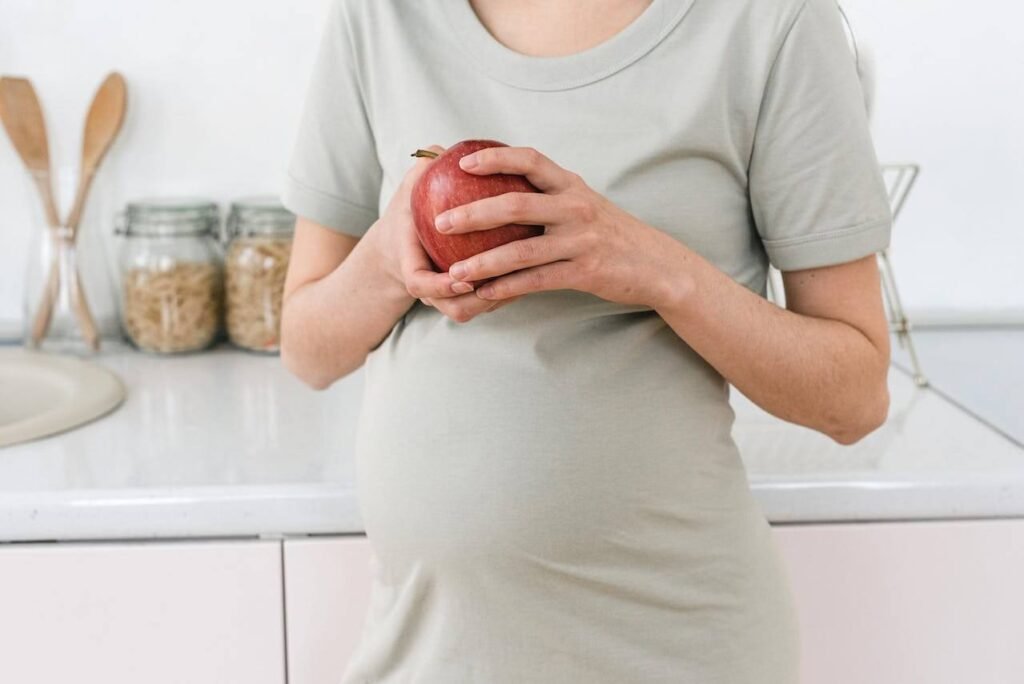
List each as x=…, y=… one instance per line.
x=42, y=394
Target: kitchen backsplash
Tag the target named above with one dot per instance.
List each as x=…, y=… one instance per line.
x=215, y=89
x=214, y=93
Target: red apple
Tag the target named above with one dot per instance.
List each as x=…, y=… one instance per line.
x=445, y=185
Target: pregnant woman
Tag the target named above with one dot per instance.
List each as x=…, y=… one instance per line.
x=544, y=463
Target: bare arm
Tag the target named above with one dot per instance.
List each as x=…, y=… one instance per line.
x=339, y=303
x=823, y=363
x=343, y=295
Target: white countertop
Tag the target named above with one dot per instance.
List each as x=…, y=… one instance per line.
x=980, y=369
x=228, y=444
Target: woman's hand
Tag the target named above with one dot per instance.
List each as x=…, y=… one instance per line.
x=409, y=264
x=589, y=244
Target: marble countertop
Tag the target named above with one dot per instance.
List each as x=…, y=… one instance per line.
x=226, y=444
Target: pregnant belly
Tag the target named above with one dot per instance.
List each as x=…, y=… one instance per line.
x=459, y=456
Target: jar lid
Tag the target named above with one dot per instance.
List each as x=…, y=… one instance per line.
x=170, y=216
x=261, y=215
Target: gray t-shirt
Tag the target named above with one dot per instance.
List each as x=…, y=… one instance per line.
x=551, y=491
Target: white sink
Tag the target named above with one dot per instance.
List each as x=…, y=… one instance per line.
x=42, y=394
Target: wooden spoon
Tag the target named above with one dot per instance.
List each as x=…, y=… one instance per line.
x=102, y=124
x=23, y=119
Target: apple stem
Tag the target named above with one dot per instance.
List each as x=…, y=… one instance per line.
x=424, y=153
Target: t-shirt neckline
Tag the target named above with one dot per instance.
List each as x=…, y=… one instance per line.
x=569, y=71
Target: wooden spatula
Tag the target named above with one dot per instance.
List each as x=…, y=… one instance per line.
x=23, y=119
x=102, y=124
x=22, y=116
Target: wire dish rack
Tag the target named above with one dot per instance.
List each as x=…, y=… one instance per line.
x=899, y=180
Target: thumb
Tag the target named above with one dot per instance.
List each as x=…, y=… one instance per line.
x=414, y=173
x=423, y=162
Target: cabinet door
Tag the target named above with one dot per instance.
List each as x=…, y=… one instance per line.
x=327, y=588
x=892, y=603
x=196, y=612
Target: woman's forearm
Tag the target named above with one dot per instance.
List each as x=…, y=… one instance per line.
x=820, y=373
x=825, y=368
x=330, y=325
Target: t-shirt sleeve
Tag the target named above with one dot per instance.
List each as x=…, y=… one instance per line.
x=334, y=174
x=816, y=189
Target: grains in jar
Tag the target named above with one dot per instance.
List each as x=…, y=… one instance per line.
x=260, y=234
x=171, y=275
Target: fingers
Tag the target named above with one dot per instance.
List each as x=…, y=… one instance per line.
x=463, y=308
x=400, y=199
x=530, y=208
x=556, y=276
x=510, y=257
x=424, y=161
x=414, y=263
x=422, y=283
x=525, y=161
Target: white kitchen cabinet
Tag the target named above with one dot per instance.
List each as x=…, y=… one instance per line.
x=327, y=585
x=900, y=603
x=177, y=612
x=885, y=603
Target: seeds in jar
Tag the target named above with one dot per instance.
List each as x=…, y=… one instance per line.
x=173, y=308
x=256, y=270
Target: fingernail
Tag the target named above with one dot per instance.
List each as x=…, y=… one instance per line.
x=460, y=287
x=485, y=292
x=468, y=162
x=458, y=271
x=443, y=222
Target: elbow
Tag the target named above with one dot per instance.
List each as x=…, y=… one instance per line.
x=295, y=363
x=861, y=420
x=302, y=362
x=313, y=362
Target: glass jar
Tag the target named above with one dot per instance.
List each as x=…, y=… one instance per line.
x=171, y=274
x=70, y=286
x=259, y=232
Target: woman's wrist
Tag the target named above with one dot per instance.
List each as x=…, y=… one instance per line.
x=674, y=281
x=385, y=266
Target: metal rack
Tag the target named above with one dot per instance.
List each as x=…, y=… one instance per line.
x=899, y=179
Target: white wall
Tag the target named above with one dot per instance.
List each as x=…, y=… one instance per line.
x=950, y=96
x=215, y=87
x=214, y=94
